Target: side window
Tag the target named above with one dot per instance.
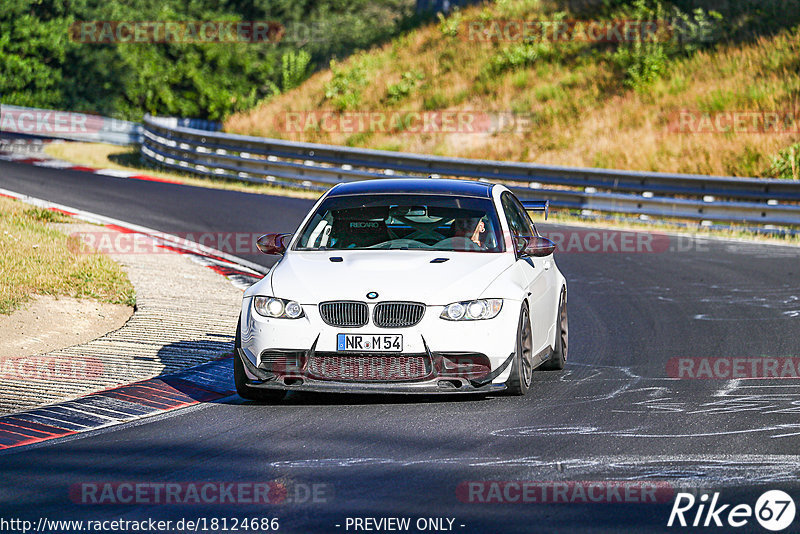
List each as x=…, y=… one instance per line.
x=517, y=219
x=525, y=217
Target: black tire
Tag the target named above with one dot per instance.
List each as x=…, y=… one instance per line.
x=522, y=367
x=240, y=378
x=558, y=358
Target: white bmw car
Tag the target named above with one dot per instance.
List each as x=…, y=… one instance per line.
x=405, y=286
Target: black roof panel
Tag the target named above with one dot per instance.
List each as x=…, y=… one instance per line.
x=421, y=186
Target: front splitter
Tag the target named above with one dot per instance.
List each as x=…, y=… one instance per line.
x=439, y=385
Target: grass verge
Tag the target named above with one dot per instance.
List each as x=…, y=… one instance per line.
x=39, y=260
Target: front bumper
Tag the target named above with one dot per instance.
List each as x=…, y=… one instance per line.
x=459, y=357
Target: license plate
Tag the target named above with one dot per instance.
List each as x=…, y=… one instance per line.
x=369, y=342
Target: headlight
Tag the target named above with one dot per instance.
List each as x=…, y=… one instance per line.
x=472, y=310
x=277, y=308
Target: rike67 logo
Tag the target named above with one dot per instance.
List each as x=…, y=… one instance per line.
x=774, y=510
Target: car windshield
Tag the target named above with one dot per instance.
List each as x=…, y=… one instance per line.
x=403, y=222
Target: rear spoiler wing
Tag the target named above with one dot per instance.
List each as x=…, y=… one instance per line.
x=537, y=205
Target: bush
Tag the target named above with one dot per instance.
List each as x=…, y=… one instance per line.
x=33, y=44
x=644, y=61
x=434, y=102
x=344, y=89
x=296, y=68
x=449, y=26
x=41, y=66
x=786, y=164
x=402, y=89
x=511, y=58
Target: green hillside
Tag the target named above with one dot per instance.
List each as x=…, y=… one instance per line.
x=657, y=103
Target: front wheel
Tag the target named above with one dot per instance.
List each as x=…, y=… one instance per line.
x=558, y=359
x=522, y=371
x=240, y=378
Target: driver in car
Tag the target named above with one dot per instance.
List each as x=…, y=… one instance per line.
x=470, y=228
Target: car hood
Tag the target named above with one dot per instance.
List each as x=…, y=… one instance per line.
x=407, y=275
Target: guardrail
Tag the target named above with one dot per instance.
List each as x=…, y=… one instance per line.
x=51, y=124
x=318, y=167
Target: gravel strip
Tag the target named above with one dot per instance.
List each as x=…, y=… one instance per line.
x=185, y=315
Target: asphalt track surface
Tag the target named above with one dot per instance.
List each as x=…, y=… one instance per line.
x=614, y=415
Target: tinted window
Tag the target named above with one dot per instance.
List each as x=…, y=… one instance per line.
x=523, y=214
x=517, y=217
x=433, y=222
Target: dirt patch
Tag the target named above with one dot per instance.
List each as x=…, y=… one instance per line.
x=48, y=323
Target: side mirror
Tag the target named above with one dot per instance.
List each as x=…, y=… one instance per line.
x=273, y=244
x=536, y=246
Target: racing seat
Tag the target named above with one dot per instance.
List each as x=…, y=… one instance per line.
x=358, y=233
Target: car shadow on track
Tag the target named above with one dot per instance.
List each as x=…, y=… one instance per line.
x=198, y=370
x=212, y=381
x=216, y=376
